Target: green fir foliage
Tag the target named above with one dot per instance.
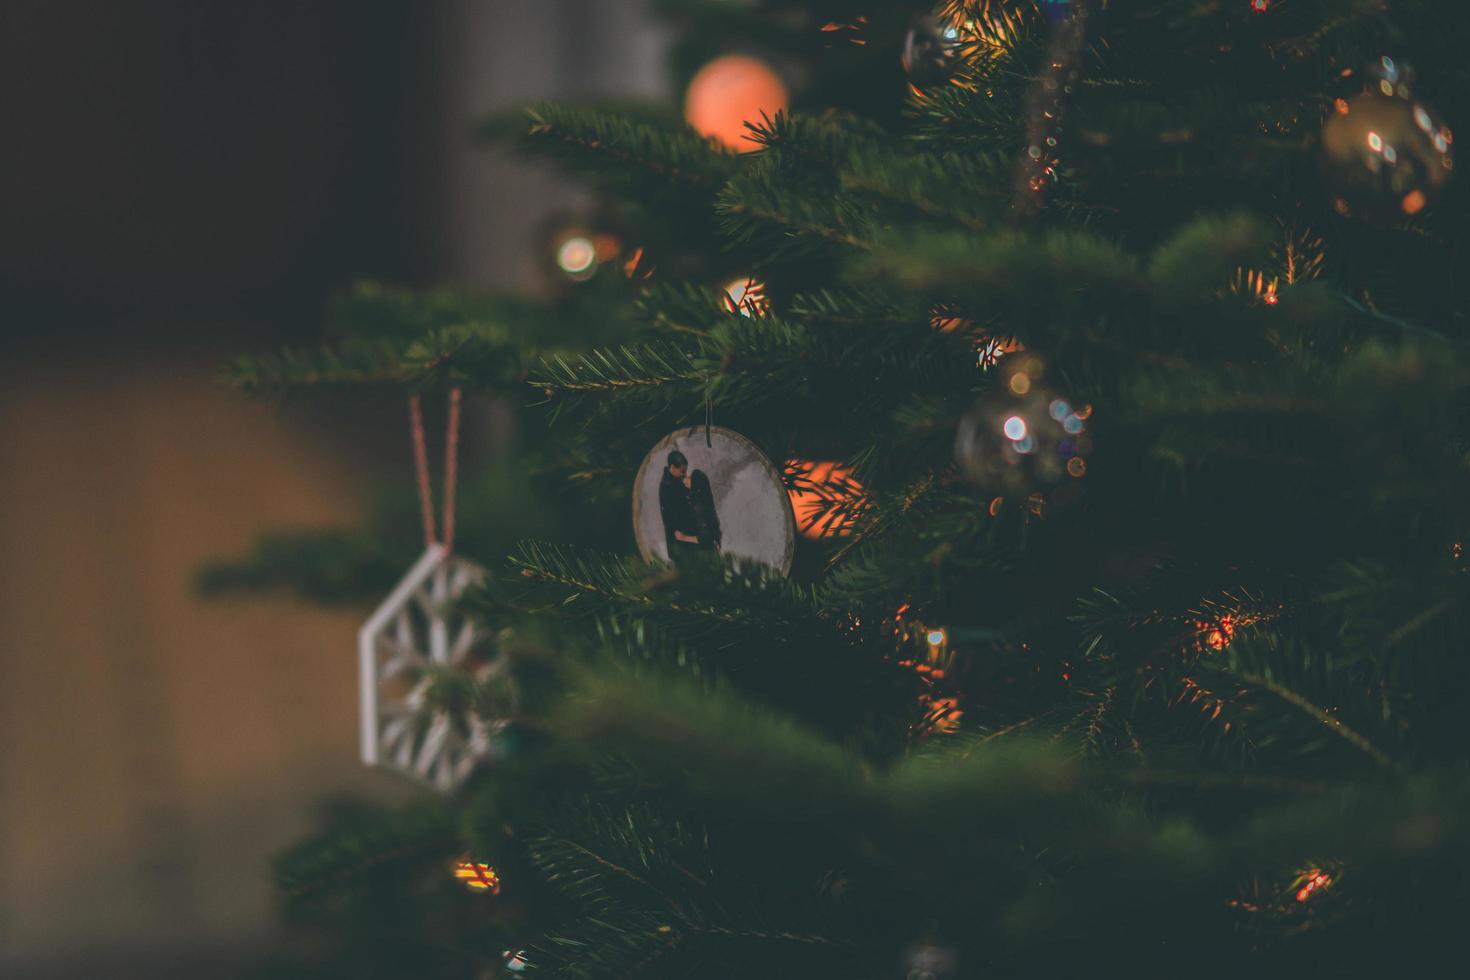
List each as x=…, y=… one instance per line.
x=1205, y=719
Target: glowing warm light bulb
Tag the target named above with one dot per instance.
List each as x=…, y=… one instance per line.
x=990, y=350
x=1312, y=882
x=945, y=714
x=1216, y=635
x=746, y=296
x=729, y=92
x=825, y=499
x=576, y=257
x=478, y=877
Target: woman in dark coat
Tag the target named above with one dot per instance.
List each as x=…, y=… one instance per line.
x=702, y=498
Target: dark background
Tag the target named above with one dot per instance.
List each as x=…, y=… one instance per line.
x=176, y=158
x=183, y=179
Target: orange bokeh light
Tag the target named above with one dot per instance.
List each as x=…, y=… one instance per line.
x=817, y=510
x=729, y=92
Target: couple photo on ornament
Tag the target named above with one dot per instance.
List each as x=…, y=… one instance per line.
x=686, y=504
x=708, y=492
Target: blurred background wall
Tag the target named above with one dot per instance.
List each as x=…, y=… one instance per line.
x=182, y=180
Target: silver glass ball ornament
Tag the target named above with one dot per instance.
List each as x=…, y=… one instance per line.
x=930, y=50
x=1386, y=156
x=1023, y=438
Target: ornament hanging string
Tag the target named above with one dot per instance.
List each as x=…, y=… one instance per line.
x=709, y=418
x=1044, y=105
x=421, y=468
x=451, y=467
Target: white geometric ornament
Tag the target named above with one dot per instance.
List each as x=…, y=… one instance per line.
x=415, y=638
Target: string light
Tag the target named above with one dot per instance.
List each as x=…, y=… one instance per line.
x=944, y=715
x=988, y=348
x=478, y=877
x=1312, y=882
x=637, y=266
x=992, y=349
x=1218, y=634
x=747, y=297
x=577, y=256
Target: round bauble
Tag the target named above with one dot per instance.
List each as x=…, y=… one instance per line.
x=1385, y=155
x=1023, y=438
x=930, y=50
x=708, y=493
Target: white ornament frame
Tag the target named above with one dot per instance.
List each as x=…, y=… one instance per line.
x=418, y=630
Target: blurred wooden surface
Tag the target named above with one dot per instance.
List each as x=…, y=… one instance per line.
x=155, y=748
x=173, y=156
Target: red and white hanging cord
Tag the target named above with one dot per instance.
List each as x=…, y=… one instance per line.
x=421, y=469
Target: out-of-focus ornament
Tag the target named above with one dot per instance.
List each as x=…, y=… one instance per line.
x=515, y=960
x=929, y=961
x=747, y=297
x=729, y=92
x=420, y=657
x=478, y=876
x=824, y=498
x=1023, y=438
x=1385, y=155
x=1260, y=6
x=930, y=50
x=415, y=652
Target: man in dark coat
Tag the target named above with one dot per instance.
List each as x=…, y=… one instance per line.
x=681, y=527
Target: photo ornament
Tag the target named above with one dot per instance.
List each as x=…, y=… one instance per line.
x=708, y=491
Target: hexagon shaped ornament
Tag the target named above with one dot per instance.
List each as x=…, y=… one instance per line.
x=414, y=653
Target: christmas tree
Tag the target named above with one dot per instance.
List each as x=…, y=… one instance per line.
x=1113, y=358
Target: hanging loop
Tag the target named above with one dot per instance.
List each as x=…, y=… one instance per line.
x=421, y=468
